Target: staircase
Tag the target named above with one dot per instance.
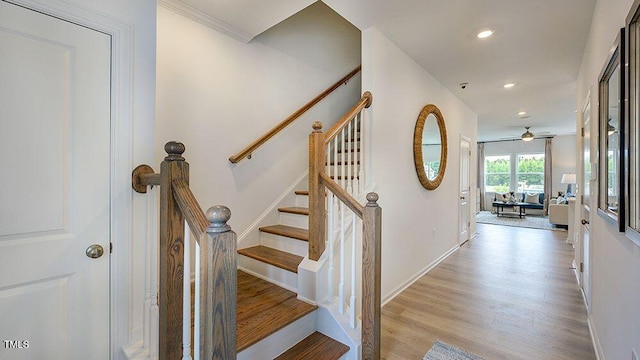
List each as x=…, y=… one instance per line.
x=281, y=249
x=264, y=309
x=297, y=291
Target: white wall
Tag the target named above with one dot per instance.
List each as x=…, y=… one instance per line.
x=615, y=272
x=563, y=153
x=418, y=225
x=217, y=95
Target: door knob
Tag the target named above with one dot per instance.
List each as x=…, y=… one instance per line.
x=584, y=222
x=94, y=251
x=461, y=197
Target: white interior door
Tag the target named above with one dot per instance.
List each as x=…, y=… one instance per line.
x=54, y=187
x=465, y=190
x=584, y=211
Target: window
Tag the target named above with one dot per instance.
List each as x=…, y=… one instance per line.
x=497, y=170
x=530, y=173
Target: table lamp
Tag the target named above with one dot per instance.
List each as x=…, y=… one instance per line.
x=568, y=179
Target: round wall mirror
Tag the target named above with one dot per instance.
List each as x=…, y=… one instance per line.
x=430, y=147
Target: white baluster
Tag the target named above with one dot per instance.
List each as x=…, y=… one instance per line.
x=154, y=314
x=349, y=158
x=330, y=229
x=186, y=295
x=342, y=159
x=352, y=302
x=342, y=259
x=361, y=154
x=196, y=308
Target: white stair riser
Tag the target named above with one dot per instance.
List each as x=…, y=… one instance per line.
x=283, y=243
x=273, y=274
x=280, y=341
x=302, y=200
x=295, y=220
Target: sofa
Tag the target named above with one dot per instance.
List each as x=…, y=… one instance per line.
x=558, y=213
x=537, y=204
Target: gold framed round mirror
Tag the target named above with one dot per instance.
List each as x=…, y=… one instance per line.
x=430, y=147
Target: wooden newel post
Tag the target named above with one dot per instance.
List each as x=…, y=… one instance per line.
x=171, y=261
x=218, y=287
x=371, y=267
x=317, y=213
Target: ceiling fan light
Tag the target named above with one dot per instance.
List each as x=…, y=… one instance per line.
x=527, y=135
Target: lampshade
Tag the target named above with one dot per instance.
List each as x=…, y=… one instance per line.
x=568, y=179
x=527, y=135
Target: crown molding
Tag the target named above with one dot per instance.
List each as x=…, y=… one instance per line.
x=205, y=19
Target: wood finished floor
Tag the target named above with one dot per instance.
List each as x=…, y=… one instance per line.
x=509, y=293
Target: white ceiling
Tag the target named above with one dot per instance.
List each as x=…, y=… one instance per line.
x=538, y=44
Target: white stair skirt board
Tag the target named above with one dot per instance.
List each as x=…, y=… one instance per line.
x=332, y=326
x=284, y=243
x=273, y=274
x=295, y=220
x=280, y=341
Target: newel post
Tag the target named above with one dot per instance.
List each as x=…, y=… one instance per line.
x=371, y=267
x=218, y=287
x=171, y=254
x=317, y=213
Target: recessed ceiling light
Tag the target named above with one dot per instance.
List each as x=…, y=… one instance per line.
x=509, y=85
x=485, y=34
x=522, y=113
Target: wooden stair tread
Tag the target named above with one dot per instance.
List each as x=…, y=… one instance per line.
x=288, y=231
x=302, y=192
x=281, y=259
x=299, y=210
x=340, y=177
x=315, y=346
x=264, y=308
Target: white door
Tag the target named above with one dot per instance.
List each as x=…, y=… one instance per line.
x=465, y=190
x=584, y=212
x=54, y=187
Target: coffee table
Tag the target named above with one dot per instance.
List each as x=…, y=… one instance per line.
x=500, y=208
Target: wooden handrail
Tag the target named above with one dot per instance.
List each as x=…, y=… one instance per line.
x=218, y=261
x=247, y=151
x=365, y=102
x=189, y=206
x=342, y=194
x=371, y=216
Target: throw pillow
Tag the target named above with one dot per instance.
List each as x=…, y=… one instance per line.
x=531, y=199
x=561, y=200
x=500, y=197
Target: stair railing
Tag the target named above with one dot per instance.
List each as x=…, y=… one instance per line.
x=337, y=163
x=247, y=151
x=168, y=295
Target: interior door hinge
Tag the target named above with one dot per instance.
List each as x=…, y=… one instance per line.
x=110, y=247
x=581, y=267
x=582, y=132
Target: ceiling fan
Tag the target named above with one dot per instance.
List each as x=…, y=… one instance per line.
x=527, y=135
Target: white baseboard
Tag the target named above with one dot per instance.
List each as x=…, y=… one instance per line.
x=594, y=338
x=395, y=292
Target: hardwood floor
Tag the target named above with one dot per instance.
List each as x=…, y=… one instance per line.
x=509, y=293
